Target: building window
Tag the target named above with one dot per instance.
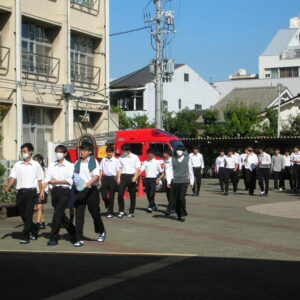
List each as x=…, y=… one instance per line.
x=87, y=6
x=179, y=103
x=186, y=77
x=198, y=107
x=289, y=72
x=128, y=101
x=82, y=60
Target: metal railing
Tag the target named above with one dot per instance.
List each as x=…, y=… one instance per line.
x=40, y=65
x=4, y=60
x=85, y=74
x=88, y=6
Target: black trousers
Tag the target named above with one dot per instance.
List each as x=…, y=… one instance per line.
x=278, y=176
x=108, y=190
x=90, y=198
x=222, y=178
x=126, y=182
x=296, y=171
x=60, y=199
x=179, y=190
x=170, y=197
x=288, y=174
x=230, y=175
x=198, y=177
x=25, y=202
x=263, y=179
x=244, y=177
x=150, y=187
x=251, y=180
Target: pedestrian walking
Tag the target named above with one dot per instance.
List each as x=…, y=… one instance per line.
x=243, y=169
x=295, y=159
x=278, y=167
x=288, y=170
x=230, y=164
x=264, y=171
x=220, y=169
x=251, y=162
x=198, y=168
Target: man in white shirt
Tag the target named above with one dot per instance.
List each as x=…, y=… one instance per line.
x=295, y=159
x=237, y=172
x=152, y=170
x=288, y=171
x=230, y=164
x=28, y=174
x=251, y=162
x=86, y=173
x=127, y=178
x=220, y=169
x=183, y=174
x=60, y=177
x=242, y=164
x=264, y=171
x=198, y=167
x=109, y=169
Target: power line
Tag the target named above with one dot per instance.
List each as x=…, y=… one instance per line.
x=128, y=31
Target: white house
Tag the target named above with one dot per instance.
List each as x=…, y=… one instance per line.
x=135, y=92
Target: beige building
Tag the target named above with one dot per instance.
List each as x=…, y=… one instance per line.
x=54, y=72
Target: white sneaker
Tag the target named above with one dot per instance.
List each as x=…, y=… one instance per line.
x=109, y=216
x=121, y=214
x=130, y=216
x=79, y=244
x=280, y=189
x=102, y=237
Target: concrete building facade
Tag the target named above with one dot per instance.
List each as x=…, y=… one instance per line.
x=54, y=71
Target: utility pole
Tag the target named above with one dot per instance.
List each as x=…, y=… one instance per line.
x=279, y=108
x=158, y=66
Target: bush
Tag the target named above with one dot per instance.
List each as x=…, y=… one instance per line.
x=11, y=195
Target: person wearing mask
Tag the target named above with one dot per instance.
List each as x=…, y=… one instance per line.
x=220, y=169
x=109, y=169
x=277, y=167
x=152, y=170
x=86, y=177
x=264, y=171
x=127, y=178
x=168, y=175
x=230, y=164
x=183, y=174
x=295, y=159
x=251, y=162
x=28, y=176
x=198, y=167
x=288, y=172
x=60, y=177
x=40, y=216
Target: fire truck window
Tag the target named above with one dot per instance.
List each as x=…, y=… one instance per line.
x=159, y=148
x=136, y=148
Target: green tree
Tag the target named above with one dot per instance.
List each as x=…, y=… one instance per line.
x=269, y=126
x=124, y=121
x=212, y=127
x=292, y=126
x=140, y=122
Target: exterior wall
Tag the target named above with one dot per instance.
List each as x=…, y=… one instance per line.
x=290, y=109
x=46, y=92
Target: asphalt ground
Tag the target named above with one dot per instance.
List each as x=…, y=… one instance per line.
x=225, y=250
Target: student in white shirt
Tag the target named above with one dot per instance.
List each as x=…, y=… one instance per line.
x=86, y=176
x=264, y=171
x=152, y=170
x=288, y=171
x=242, y=164
x=168, y=175
x=237, y=172
x=220, y=169
x=127, y=178
x=28, y=175
x=109, y=169
x=251, y=162
x=295, y=159
x=198, y=167
x=230, y=164
x=60, y=177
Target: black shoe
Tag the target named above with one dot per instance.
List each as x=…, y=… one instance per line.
x=181, y=219
x=52, y=243
x=225, y=193
x=154, y=208
x=41, y=225
x=149, y=210
x=172, y=211
x=23, y=242
x=34, y=236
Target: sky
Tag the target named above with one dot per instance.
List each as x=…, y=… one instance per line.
x=215, y=37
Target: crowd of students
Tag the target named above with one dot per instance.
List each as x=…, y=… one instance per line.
x=261, y=167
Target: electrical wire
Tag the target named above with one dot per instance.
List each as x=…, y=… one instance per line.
x=128, y=31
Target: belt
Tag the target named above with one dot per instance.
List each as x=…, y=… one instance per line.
x=61, y=187
x=27, y=189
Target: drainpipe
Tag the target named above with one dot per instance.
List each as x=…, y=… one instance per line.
x=18, y=58
x=107, y=58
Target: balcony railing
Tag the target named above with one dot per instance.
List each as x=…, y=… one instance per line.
x=4, y=60
x=85, y=75
x=43, y=67
x=88, y=6
x=291, y=53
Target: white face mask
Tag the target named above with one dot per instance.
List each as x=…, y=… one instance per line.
x=179, y=152
x=25, y=155
x=59, y=156
x=126, y=153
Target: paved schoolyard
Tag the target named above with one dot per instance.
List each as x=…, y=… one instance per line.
x=235, y=247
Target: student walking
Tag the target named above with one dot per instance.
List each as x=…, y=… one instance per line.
x=288, y=170
x=28, y=174
x=230, y=164
x=242, y=164
x=237, y=171
x=60, y=177
x=109, y=169
x=295, y=159
x=264, y=171
x=198, y=168
x=86, y=176
x=251, y=162
x=278, y=167
x=220, y=169
x=127, y=177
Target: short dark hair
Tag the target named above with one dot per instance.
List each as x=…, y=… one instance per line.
x=196, y=148
x=297, y=146
x=61, y=148
x=110, y=148
x=151, y=151
x=87, y=146
x=277, y=149
x=222, y=150
x=180, y=147
x=229, y=150
x=261, y=148
x=29, y=146
x=169, y=152
x=126, y=147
